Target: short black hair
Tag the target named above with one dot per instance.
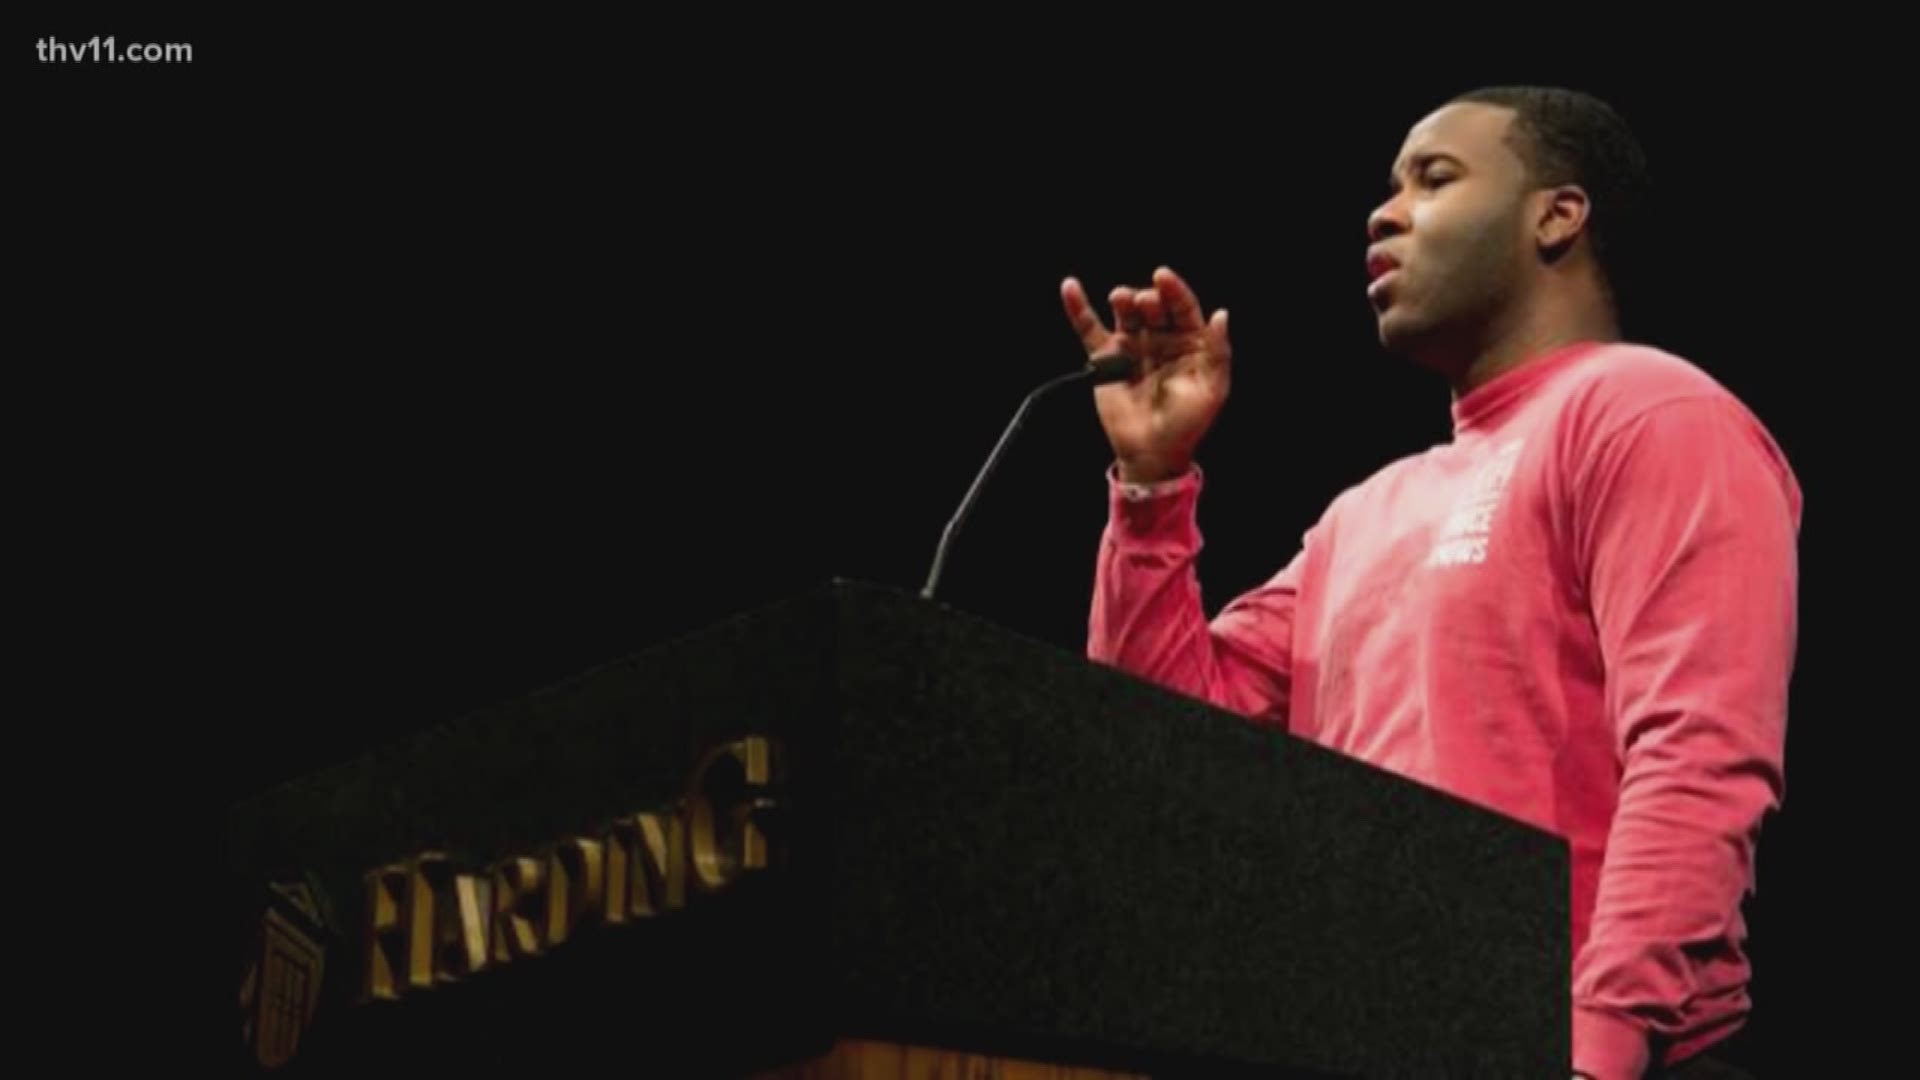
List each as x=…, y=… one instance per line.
x=1572, y=137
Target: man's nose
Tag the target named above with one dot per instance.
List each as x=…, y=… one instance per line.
x=1387, y=220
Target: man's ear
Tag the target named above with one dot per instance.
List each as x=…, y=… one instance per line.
x=1563, y=216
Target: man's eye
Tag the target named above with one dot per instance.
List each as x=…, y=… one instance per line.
x=1439, y=179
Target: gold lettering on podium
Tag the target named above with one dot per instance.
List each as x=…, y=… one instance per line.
x=429, y=922
x=462, y=930
x=385, y=934
x=575, y=893
x=647, y=860
x=721, y=856
x=517, y=894
x=400, y=902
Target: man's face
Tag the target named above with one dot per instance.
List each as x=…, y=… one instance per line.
x=1451, y=246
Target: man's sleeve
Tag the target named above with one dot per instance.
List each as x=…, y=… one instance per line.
x=1147, y=616
x=1685, y=526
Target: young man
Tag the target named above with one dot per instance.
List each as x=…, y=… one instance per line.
x=1580, y=611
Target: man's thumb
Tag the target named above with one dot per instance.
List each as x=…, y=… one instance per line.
x=1217, y=331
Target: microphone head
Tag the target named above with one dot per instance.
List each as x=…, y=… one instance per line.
x=1116, y=367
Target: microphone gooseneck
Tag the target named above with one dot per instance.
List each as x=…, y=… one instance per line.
x=1099, y=371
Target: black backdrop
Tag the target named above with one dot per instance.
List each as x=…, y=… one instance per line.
x=537, y=360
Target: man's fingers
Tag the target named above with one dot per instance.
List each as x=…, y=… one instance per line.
x=1182, y=307
x=1219, y=347
x=1080, y=313
x=1125, y=315
x=1153, y=311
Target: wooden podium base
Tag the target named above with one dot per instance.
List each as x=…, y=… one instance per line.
x=855, y=1059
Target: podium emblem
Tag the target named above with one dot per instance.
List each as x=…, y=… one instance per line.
x=281, y=989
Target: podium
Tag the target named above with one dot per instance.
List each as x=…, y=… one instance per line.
x=855, y=833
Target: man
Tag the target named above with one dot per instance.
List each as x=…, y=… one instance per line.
x=1579, y=611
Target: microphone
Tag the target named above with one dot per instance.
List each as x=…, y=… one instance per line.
x=1099, y=370
x=1118, y=367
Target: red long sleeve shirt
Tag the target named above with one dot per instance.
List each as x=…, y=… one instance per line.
x=1579, y=612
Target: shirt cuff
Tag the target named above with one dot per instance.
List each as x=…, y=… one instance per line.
x=1607, y=1047
x=1162, y=512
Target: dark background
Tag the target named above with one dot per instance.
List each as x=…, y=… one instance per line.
x=519, y=360
x=542, y=381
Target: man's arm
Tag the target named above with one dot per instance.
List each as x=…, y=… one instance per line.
x=1685, y=526
x=1148, y=619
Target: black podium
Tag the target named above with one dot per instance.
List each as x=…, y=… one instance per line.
x=859, y=819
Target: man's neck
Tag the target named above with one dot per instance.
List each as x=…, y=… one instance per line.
x=1545, y=332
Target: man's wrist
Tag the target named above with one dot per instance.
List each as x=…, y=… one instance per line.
x=1151, y=473
x=1154, y=491
x=1608, y=1046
